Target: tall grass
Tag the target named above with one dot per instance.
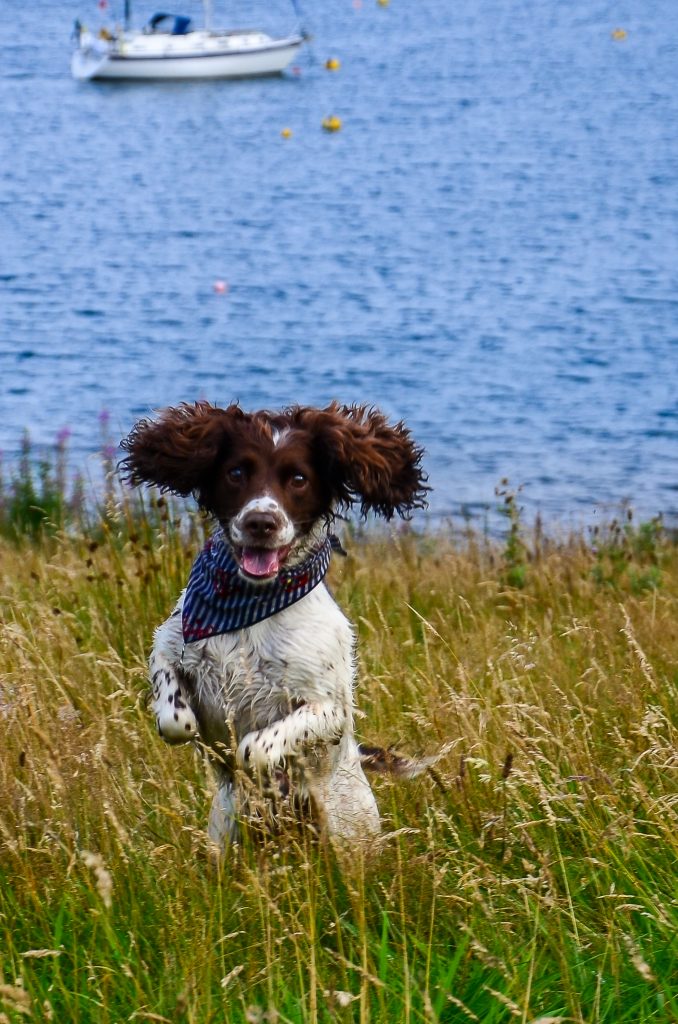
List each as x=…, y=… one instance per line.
x=531, y=876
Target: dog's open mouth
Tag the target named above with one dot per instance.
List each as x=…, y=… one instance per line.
x=262, y=563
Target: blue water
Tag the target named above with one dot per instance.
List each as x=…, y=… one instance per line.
x=487, y=249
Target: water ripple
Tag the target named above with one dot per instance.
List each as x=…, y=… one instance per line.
x=488, y=249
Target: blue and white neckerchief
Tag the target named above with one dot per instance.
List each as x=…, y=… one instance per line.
x=219, y=600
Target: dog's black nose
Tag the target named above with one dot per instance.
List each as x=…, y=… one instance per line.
x=260, y=525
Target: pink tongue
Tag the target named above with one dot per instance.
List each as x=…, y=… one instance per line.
x=260, y=561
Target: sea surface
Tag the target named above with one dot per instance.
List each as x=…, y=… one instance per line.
x=487, y=249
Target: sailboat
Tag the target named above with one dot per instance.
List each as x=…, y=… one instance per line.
x=168, y=47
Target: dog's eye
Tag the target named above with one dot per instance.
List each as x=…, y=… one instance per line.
x=236, y=475
x=298, y=481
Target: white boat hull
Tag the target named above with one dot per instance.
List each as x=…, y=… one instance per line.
x=235, y=60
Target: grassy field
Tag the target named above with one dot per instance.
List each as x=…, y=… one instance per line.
x=531, y=876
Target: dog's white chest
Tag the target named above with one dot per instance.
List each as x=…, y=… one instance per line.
x=251, y=677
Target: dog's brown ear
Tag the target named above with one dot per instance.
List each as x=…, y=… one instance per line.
x=367, y=460
x=177, y=451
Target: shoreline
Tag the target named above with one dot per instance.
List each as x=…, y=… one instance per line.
x=40, y=485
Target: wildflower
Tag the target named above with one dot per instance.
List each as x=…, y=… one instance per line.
x=16, y=998
x=104, y=882
x=225, y=982
x=341, y=999
x=641, y=965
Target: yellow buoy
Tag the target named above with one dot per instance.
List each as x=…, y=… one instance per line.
x=286, y=133
x=332, y=64
x=383, y=3
x=332, y=124
x=619, y=34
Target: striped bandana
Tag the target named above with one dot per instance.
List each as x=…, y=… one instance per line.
x=219, y=600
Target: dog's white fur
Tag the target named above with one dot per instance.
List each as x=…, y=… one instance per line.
x=245, y=686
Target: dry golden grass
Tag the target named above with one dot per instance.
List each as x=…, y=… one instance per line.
x=530, y=876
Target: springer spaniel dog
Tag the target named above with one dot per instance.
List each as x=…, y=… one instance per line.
x=257, y=660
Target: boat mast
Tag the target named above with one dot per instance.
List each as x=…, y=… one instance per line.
x=207, y=8
x=128, y=14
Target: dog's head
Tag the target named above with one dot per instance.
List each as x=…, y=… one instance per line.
x=271, y=479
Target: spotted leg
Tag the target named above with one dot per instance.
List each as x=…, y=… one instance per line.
x=311, y=724
x=222, y=828
x=173, y=715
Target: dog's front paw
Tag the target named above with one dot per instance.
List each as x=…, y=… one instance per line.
x=175, y=720
x=261, y=750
